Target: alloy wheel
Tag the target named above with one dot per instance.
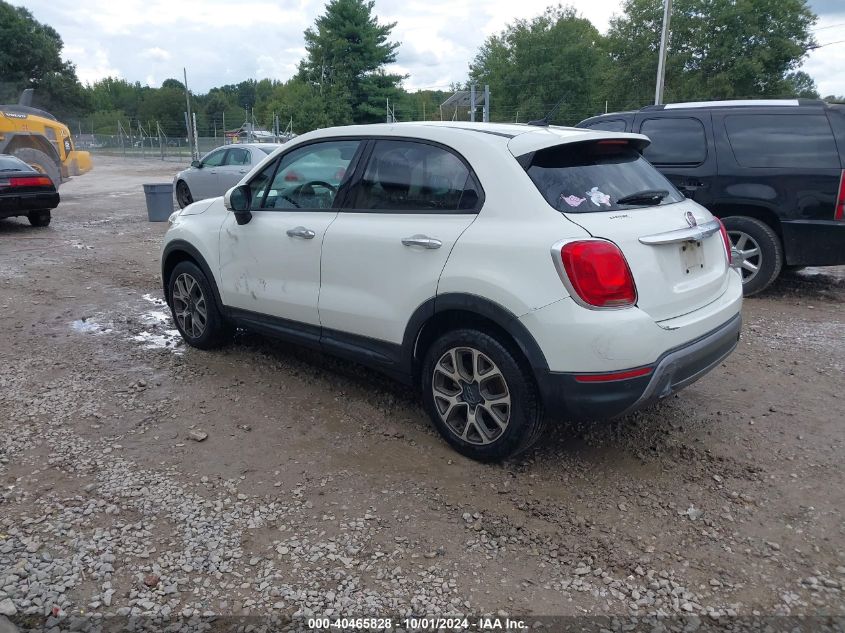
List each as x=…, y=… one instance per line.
x=471, y=395
x=183, y=194
x=750, y=256
x=189, y=305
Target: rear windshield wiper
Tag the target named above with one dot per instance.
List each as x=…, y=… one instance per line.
x=11, y=169
x=649, y=196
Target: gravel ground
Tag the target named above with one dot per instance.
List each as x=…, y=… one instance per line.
x=141, y=478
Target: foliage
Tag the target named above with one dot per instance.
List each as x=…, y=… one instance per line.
x=719, y=49
x=346, y=53
x=30, y=57
x=533, y=64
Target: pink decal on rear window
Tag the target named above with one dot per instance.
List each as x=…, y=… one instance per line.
x=572, y=201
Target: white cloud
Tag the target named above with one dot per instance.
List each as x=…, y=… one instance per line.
x=156, y=54
x=220, y=41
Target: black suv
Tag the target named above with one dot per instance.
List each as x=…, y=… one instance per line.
x=772, y=170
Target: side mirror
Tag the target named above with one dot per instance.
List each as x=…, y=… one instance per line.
x=238, y=200
x=196, y=163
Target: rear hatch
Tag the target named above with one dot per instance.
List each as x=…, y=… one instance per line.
x=673, y=246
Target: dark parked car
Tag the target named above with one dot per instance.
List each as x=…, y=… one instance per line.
x=25, y=191
x=772, y=170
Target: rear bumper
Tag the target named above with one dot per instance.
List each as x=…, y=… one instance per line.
x=814, y=242
x=21, y=204
x=564, y=396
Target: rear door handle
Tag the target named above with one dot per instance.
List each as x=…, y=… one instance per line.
x=301, y=231
x=422, y=240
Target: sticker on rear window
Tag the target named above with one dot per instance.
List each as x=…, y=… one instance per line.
x=572, y=201
x=597, y=197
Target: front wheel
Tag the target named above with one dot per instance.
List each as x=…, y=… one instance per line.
x=194, y=309
x=760, y=252
x=183, y=194
x=480, y=397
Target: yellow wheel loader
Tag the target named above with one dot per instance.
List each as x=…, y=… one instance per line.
x=38, y=139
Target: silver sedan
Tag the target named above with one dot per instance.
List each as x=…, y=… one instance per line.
x=218, y=171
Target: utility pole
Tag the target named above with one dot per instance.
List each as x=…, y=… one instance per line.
x=188, y=116
x=224, y=127
x=472, y=102
x=664, y=44
x=486, y=110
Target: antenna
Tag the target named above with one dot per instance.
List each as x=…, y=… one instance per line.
x=544, y=122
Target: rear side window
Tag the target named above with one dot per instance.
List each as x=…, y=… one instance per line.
x=782, y=140
x=238, y=156
x=609, y=125
x=675, y=141
x=409, y=176
x=594, y=176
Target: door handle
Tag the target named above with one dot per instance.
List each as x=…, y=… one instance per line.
x=301, y=231
x=422, y=240
x=242, y=171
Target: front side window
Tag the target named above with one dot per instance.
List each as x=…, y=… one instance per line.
x=309, y=177
x=410, y=176
x=214, y=159
x=238, y=156
x=782, y=140
x=598, y=176
x=675, y=141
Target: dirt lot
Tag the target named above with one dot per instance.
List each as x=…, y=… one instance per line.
x=322, y=490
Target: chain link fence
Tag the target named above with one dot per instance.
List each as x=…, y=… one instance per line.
x=160, y=147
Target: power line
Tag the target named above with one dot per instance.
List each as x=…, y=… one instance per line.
x=812, y=48
x=830, y=26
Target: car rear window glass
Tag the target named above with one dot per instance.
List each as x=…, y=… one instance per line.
x=608, y=125
x=675, y=141
x=594, y=176
x=410, y=176
x=782, y=140
x=10, y=163
x=238, y=156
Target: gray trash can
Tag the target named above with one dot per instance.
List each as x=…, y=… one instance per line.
x=159, y=201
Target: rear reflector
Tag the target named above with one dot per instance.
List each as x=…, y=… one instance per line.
x=599, y=274
x=30, y=181
x=612, y=142
x=619, y=375
x=839, y=214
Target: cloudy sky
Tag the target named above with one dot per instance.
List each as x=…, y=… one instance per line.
x=226, y=41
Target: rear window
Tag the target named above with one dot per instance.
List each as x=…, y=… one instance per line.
x=10, y=163
x=594, y=176
x=675, y=141
x=782, y=140
x=608, y=125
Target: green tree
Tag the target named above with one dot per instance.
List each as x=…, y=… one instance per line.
x=347, y=51
x=30, y=57
x=535, y=63
x=719, y=49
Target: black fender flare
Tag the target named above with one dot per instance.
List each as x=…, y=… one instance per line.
x=181, y=246
x=475, y=304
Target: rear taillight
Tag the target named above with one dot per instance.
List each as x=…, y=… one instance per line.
x=725, y=239
x=599, y=274
x=839, y=214
x=30, y=181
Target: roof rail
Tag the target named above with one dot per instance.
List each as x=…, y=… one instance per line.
x=731, y=103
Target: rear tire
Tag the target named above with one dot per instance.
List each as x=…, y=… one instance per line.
x=183, y=194
x=39, y=218
x=480, y=397
x=194, y=308
x=762, y=252
x=42, y=163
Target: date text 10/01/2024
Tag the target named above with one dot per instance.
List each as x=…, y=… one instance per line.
x=418, y=624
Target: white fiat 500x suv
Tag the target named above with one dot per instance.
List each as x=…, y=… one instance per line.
x=512, y=273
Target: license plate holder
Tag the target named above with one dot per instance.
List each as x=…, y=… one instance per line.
x=692, y=257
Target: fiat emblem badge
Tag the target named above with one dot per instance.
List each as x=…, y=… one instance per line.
x=691, y=219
